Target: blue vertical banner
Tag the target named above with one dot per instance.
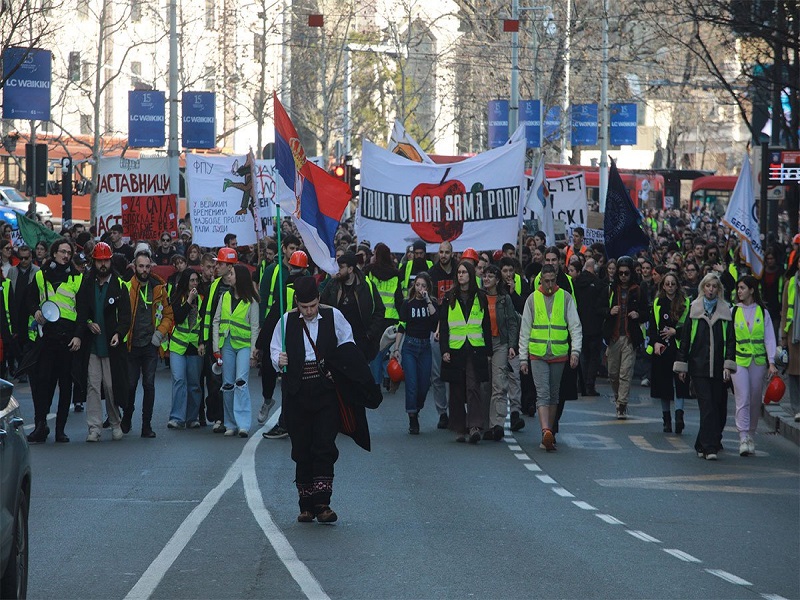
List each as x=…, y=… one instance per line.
x=552, y=124
x=498, y=123
x=530, y=115
x=623, y=124
x=199, y=120
x=146, y=122
x=584, y=124
x=27, y=75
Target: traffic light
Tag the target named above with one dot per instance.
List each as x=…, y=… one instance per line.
x=74, y=73
x=339, y=172
x=41, y=168
x=354, y=180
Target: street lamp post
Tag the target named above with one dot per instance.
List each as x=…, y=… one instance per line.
x=604, y=113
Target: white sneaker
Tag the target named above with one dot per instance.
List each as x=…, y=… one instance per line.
x=93, y=437
x=711, y=456
x=645, y=382
x=797, y=418
x=229, y=432
x=263, y=413
x=751, y=445
x=744, y=448
x=116, y=434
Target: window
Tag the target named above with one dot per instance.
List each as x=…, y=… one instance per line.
x=86, y=68
x=83, y=9
x=136, y=75
x=210, y=78
x=258, y=47
x=209, y=14
x=136, y=10
x=86, y=124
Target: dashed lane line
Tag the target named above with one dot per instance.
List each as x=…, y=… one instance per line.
x=729, y=577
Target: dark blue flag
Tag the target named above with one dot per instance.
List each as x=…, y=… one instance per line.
x=623, y=232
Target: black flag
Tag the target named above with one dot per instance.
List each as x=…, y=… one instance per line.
x=623, y=232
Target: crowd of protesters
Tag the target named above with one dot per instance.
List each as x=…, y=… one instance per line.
x=683, y=317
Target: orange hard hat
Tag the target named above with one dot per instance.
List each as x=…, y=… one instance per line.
x=299, y=259
x=470, y=254
x=497, y=255
x=796, y=239
x=395, y=371
x=775, y=390
x=101, y=251
x=227, y=255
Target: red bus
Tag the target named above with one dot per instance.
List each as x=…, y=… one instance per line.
x=713, y=192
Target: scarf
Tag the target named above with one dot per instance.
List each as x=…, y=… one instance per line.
x=709, y=305
x=796, y=321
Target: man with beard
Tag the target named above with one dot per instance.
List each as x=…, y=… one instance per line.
x=109, y=321
x=414, y=266
x=359, y=302
x=151, y=321
x=58, y=282
x=443, y=276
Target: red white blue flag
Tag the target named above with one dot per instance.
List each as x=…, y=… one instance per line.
x=314, y=199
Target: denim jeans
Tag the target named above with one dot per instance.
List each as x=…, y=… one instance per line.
x=416, y=355
x=378, y=365
x=235, y=393
x=144, y=360
x=186, y=392
x=439, y=386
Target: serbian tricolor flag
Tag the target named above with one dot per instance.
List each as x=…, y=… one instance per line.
x=314, y=199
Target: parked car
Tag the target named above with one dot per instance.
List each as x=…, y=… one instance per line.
x=15, y=488
x=11, y=198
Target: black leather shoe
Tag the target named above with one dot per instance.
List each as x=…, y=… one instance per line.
x=39, y=433
x=125, y=425
x=497, y=433
x=517, y=422
x=444, y=421
x=61, y=437
x=147, y=432
x=106, y=424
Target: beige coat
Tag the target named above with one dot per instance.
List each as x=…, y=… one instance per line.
x=794, y=349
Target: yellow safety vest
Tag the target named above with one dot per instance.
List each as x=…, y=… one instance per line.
x=63, y=296
x=208, y=316
x=657, y=317
x=386, y=290
x=517, y=284
x=184, y=336
x=550, y=329
x=6, y=289
x=407, y=276
x=750, y=343
x=466, y=329
x=234, y=323
x=790, y=303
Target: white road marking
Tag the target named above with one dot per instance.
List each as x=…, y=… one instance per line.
x=522, y=456
x=515, y=448
x=562, y=492
x=609, y=519
x=641, y=535
x=546, y=479
x=583, y=505
x=773, y=597
x=680, y=554
x=729, y=577
x=532, y=467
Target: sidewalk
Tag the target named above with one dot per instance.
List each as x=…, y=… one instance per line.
x=781, y=422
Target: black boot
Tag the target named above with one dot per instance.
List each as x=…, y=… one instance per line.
x=413, y=424
x=39, y=433
x=679, y=421
x=61, y=437
x=667, y=421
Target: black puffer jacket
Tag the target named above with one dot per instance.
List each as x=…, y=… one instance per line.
x=714, y=345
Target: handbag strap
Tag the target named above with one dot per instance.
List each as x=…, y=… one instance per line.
x=310, y=341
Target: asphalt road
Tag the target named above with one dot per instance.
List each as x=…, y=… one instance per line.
x=620, y=511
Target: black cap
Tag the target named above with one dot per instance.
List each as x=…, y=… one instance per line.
x=348, y=258
x=420, y=245
x=305, y=289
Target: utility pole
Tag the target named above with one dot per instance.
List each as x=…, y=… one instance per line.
x=513, y=109
x=604, y=113
x=172, y=145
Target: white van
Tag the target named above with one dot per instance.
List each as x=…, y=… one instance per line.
x=11, y=198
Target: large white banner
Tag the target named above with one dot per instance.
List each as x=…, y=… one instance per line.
x=568, y=195
x=473, y=203
x=134, y=193
x=220, y=195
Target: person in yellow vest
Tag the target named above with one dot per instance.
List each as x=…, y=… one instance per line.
x=755, y=358
x=669, y=312
x=418, y=263
x=790, y=334
x=707, y=354
x=465, y=339
x=577, y=246
x=385, y=278
x=235, y=330
x=58, y=282
x=550, y=337
x=185, y=364
x=151, y=321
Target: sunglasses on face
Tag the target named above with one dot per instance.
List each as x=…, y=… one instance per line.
x=623, y=273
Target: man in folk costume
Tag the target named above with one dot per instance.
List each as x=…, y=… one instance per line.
x=313, y=332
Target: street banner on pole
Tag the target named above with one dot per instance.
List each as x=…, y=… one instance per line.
x=741, y=216
x=121, y=181
x=623, y=124
x=199, y=120
x=552, y=124
x=584, y=124
x=220, y=195
x=530, y=112
x=26, y=92
x=146, y=122
x=498, y=123
x=474, y=202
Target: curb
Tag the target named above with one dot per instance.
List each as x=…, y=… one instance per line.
x=782, y=423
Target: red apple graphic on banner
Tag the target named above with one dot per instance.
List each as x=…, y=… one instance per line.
x=433, y=231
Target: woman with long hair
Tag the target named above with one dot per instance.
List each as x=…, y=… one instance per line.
x=755, y=355
x=790, y=333
x=669, y=312
x=234, y=335
x=185, y=364
x=707, y=354
x=386, y=278
x=193, y=255
x=40, y=251
x=417, y=321
x=465, y=339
